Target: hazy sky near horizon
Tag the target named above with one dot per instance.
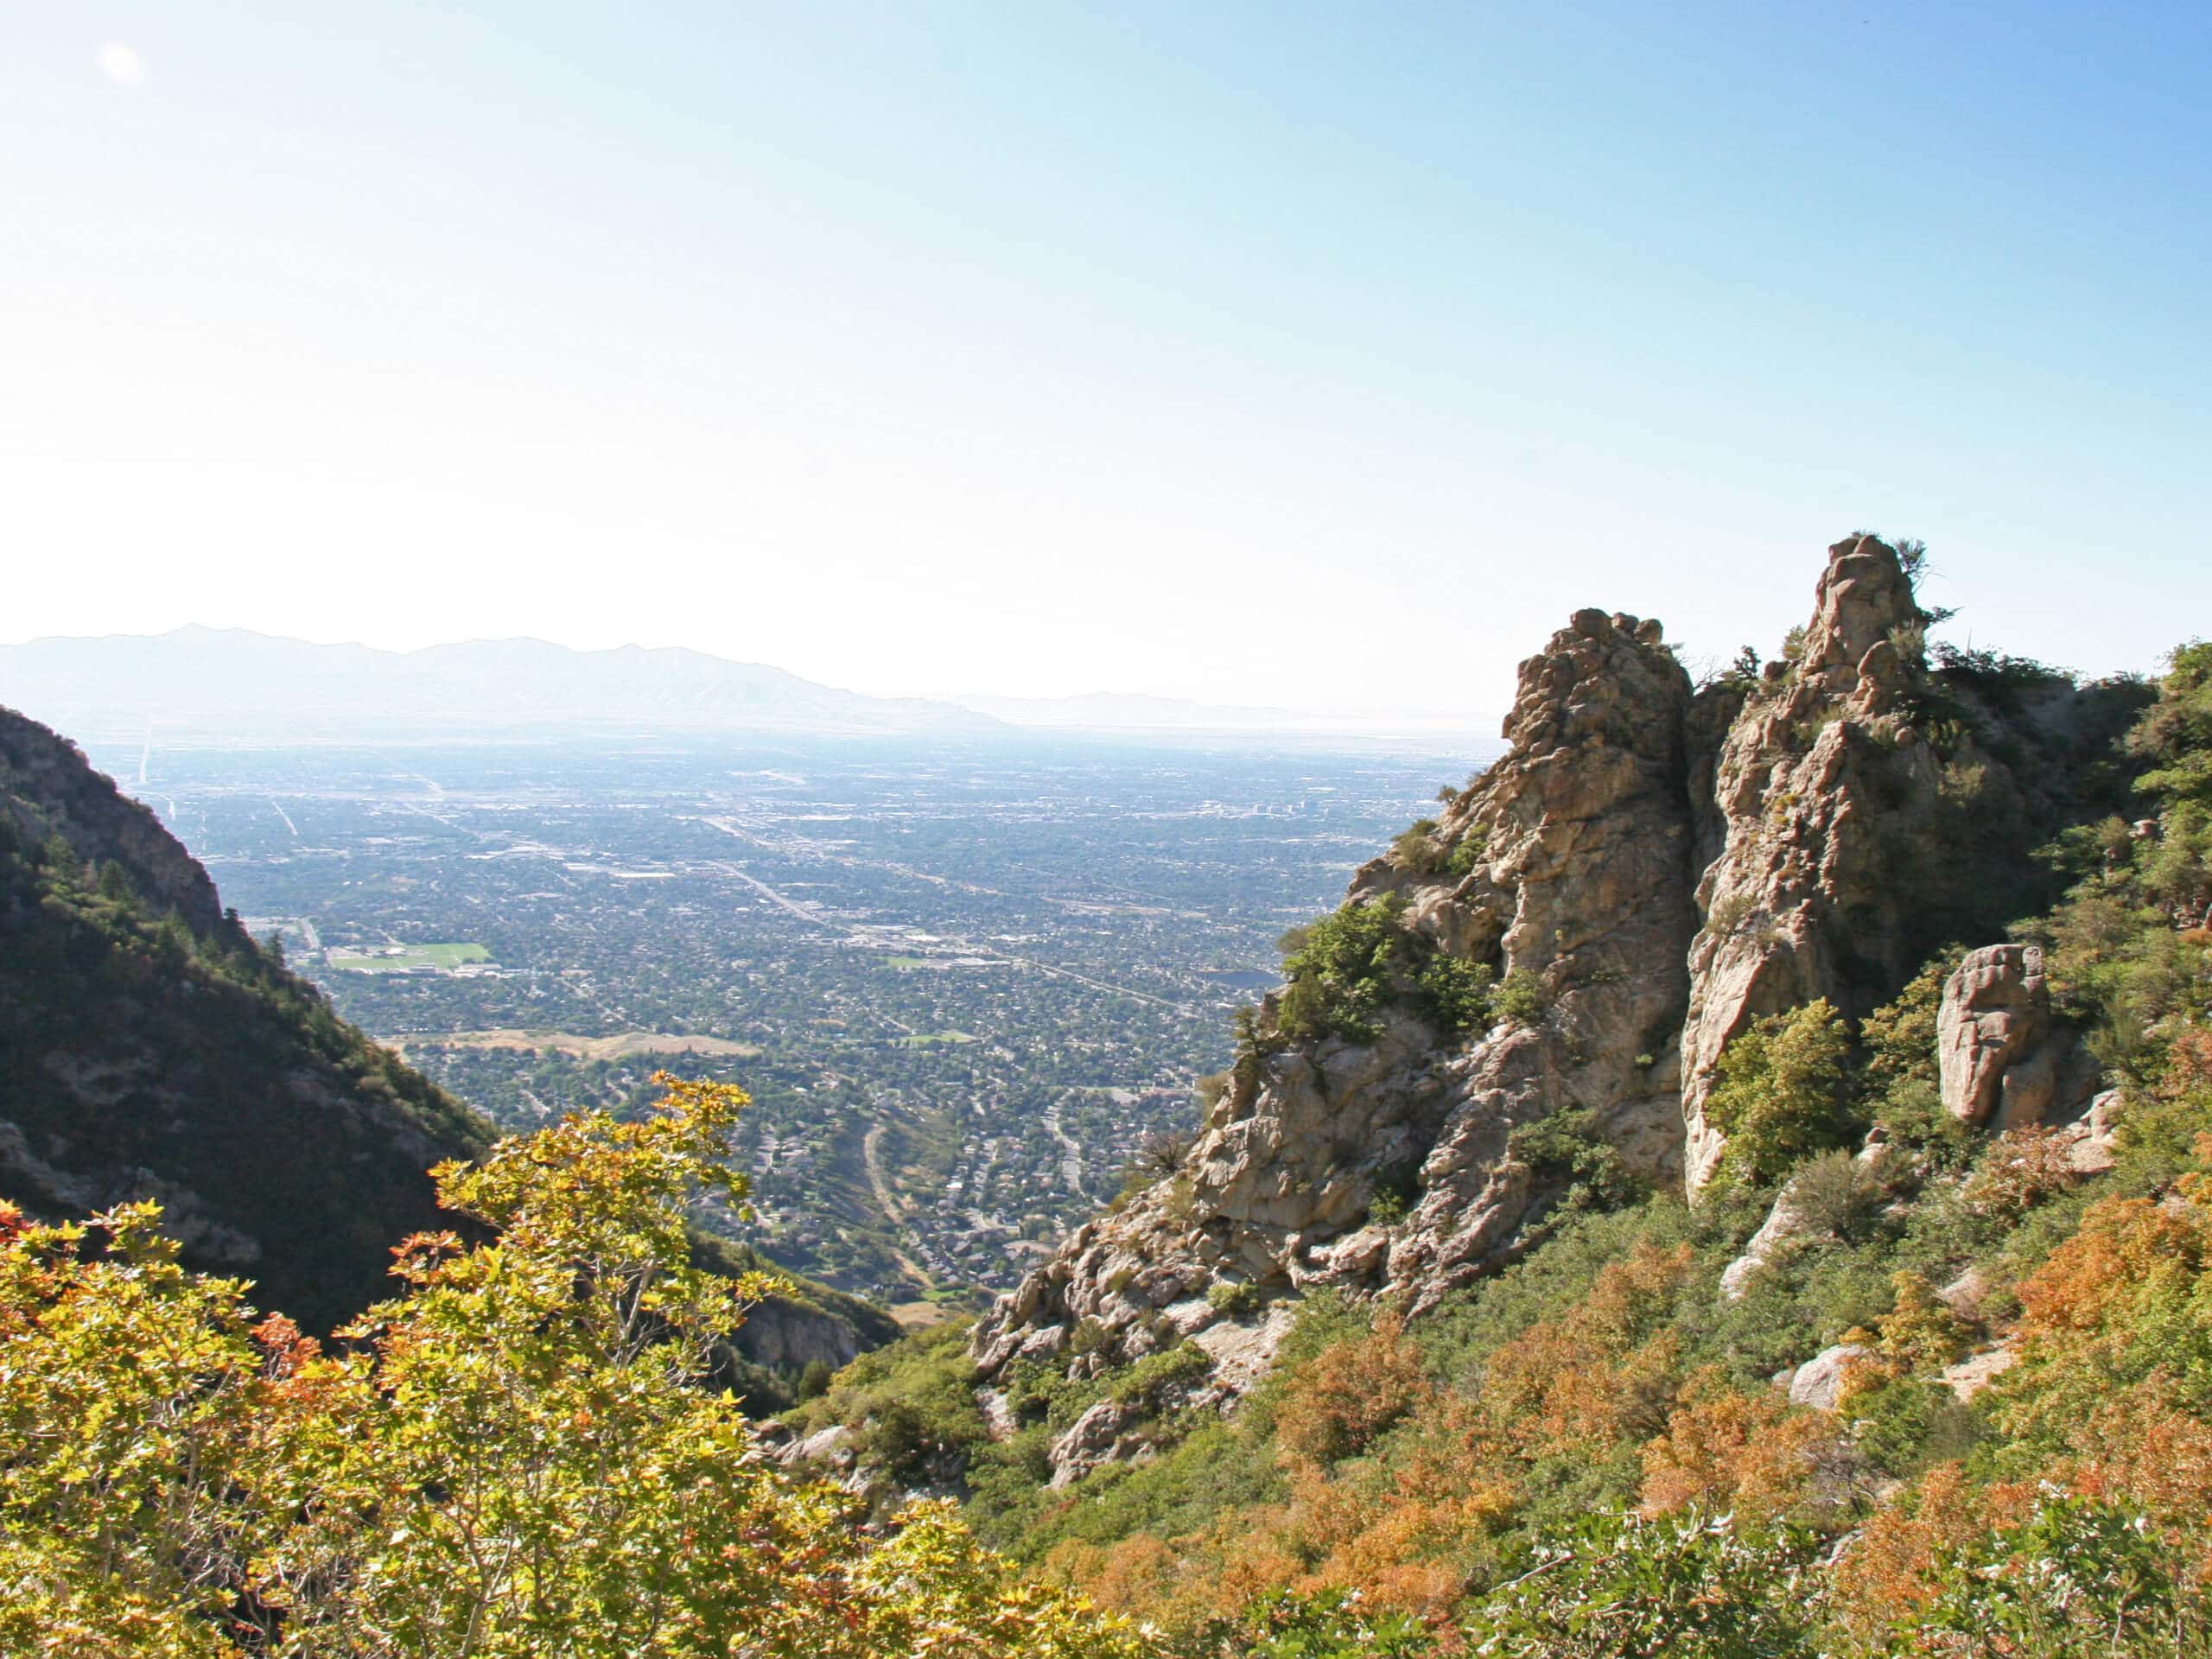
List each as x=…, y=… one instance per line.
x=1314, y=355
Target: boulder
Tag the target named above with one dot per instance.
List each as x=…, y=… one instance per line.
x=1091, y=1440
x=832, y=1446
x=1241, y=1353
x=1819, y=1380
x=1995, y=1020
x=1964, y=1295
x=1978, y=1370
x=1784, y=1223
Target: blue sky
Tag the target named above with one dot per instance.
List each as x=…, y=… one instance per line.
x=1323, y=356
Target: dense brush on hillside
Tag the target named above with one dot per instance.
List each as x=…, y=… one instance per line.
x=1898, y=1380
x=516, y=1457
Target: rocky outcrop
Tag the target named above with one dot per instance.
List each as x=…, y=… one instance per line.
x=1094, y=1438
x=1824, y=795
x=1647, y=870
x=2006, y=1063
x=1588, y=828
x=1787, y=1221
x=787, y=1333
x=1970, y=1375
x=1819, y=1381
x=1995, y=1014
x=1574, y=882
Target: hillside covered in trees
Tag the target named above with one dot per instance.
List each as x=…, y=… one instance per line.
x=150, y=1049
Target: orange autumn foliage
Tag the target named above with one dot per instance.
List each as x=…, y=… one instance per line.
x=2145, y=1448
x=1753, y=1455
x=2131, y=1291
x=1592, y=1378
x=1890, y=1570
x=1351, y=1394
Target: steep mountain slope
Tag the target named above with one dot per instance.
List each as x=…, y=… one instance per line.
x=150, y=1048
x=227, y=685
x=1532, y=992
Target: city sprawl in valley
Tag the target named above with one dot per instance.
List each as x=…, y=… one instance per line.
x=962, y=985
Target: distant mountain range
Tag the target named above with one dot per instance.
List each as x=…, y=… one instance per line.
x=1131, y=711
x=1115, y=711
x=231, y=684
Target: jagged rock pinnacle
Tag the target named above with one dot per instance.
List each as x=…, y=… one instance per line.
x=1648, y=869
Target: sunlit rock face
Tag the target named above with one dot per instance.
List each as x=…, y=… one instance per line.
x=1654, y=867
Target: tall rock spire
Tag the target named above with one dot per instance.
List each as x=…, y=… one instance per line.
x=1647, y=871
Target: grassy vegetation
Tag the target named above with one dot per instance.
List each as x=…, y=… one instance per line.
x=440, y=956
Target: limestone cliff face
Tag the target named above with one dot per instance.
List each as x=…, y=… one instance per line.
x=1654, y=869
x=1583, y=884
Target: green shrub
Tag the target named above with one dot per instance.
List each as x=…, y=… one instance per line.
x=1567, y=1156
x=1906, y=1426
x=1727, y=915
x=1467, y=852
x=1235, y=1298
x=1349, y=967
x=1837, y=1194
x=1456, y=993
x=1342, y=970
x=1683, y=1585
x=1780, y=1092
x=2078, y=1576
x=1522, y=998
x=1148, y=1381
x=1326, y=1625
x=1416, y=850
x=1396, y=1190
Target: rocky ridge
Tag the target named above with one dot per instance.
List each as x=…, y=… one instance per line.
x=1649, y=869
